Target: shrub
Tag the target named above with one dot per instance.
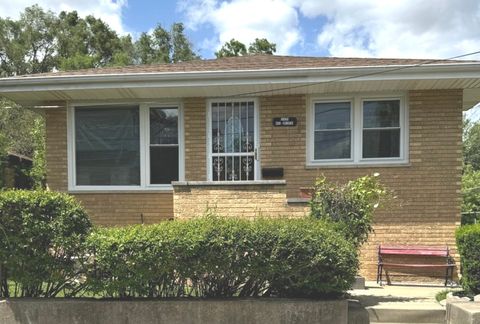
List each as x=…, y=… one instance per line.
x=222, y=257
x=468, y=243
x=350, y=206
x=41, y=235
x=471, y=195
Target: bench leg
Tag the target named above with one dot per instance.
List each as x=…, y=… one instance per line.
x=446, y=276
x=379, y=274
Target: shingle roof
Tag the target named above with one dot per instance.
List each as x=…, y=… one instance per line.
x=253, y=62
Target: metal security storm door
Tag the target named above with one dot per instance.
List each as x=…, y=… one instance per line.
x=233, y=138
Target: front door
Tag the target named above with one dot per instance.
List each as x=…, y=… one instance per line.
x=233, y=140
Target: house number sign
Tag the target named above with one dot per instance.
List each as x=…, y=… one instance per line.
x=285, y=121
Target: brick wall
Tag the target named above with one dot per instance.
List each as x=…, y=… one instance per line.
x=56, y=153
x=110, y=209
x=427, y=209
x=195, y=116
x=234, y=201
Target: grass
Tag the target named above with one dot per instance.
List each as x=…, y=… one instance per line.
x=441, y=295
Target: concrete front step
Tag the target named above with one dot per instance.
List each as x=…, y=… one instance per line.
x=407, y=313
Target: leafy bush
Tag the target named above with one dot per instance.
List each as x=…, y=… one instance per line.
x=222, y=257
x=41, y=236
x=471, y=195
x=468, y=243
x=350, y=206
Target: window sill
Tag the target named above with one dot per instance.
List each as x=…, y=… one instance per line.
x=229, y=183
x=141, y=190
x=358, y=165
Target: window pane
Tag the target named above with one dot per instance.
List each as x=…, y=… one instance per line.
x=107, y=145
x=381, y=143
x=163, y=164
x=163, y=126
x=384, y=113
x=332, y=115
x=332, y=145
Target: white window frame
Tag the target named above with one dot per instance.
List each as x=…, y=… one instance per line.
x=357, y=130
x=256, y=122
x=144, y=128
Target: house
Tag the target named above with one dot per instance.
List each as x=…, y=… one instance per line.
x=13, y=171
x=243, y=135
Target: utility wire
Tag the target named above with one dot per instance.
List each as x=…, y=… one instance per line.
x=352, y=77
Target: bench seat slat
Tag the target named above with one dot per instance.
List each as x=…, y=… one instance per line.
x=414, y=252
x=410, y=265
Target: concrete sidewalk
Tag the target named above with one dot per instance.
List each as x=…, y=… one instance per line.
x=400, y=303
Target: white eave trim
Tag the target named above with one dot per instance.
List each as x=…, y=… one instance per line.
x=240, y=77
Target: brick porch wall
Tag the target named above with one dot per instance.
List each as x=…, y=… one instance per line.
x=267, y=200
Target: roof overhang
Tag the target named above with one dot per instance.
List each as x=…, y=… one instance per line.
x=42, y=90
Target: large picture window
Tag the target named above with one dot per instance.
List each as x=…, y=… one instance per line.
x=358, y=130
x=107, y=146
x=120, y=147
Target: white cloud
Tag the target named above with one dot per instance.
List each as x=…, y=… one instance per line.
x=368, y=28
x=109, y=11
x=398, y=28
x=245, y=20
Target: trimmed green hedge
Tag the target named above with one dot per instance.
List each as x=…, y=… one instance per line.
x=222, y=257
x=468, y=243
x=42, y=234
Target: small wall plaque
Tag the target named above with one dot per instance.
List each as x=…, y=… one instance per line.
x=284, y=121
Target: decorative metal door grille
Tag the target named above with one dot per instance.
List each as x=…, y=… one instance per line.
x=233, y=141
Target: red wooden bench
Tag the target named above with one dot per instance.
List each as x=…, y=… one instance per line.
x=425, y=251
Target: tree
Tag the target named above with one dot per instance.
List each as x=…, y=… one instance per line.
x=28, y=45
x=182, y=48
x=471, y=144
x=22, y=131
x=262, y=46
x=232, y=48
x=237, y=48
x=162, y=46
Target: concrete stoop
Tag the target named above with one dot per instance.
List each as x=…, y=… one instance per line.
x=407, y=313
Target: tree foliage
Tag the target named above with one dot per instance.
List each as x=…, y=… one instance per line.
x=471, y=144
x=237, y=48
x=40, y=41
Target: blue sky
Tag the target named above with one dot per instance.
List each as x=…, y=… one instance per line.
x=345, y=28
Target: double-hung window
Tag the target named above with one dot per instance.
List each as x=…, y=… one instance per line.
x=357, y=130
x=115, y=147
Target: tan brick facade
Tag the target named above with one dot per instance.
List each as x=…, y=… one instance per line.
x=236, y=201
x=426, y=212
